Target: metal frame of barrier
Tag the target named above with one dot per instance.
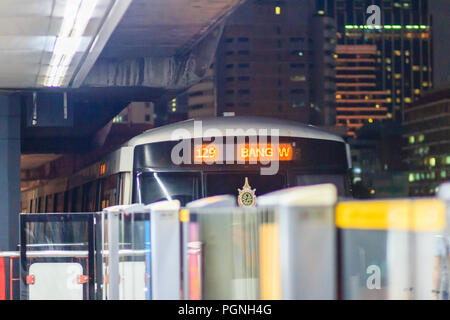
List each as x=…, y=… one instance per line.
x=87, y=279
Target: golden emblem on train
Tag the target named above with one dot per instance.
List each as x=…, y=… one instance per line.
x=247, y=196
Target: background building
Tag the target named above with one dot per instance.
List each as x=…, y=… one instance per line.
x=275, y=59
x=426, y=148
x=403, y=44
x=137, y=113
x=440, y=11
x=359, y=98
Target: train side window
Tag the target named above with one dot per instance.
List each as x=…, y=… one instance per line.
x=39, y=205
x=48, y=203
x=30, y=209
x=59, y=202
x=109, y=191
x=55, y=202
x=45, y=203
x=76, y=200
x=79, y=200
x=89, y=196
x=66, y=202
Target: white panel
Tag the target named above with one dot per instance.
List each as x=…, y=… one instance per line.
x=165, y=240
x=56, y=281
x=132, y=280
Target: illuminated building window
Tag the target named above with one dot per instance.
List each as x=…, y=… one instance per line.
x=338, y=96
x=421, y=138
x=417, y=91
x=425, y=84
x=411, y=139
x=398, y=100
x=398, y=76
x=370, y=120
x=424, y=68
x=433, y=162
x=398, y=52
x=447, y=160
x=389, y=115
x=397, y=91
x=407, y=99
x=407, y=53
x=277, y=10
x=389, y=100
x=321, y=12
x=415, y=68
x=297, y=78
x=377, y=106
x=443, y=174
x=388, y=60
x=411, y=177
x=388, y=68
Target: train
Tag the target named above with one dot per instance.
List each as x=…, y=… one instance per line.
x=193, y=159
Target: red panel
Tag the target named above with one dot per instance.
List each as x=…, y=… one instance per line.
x=2, y=279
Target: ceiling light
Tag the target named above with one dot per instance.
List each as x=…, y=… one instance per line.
x=76, y=17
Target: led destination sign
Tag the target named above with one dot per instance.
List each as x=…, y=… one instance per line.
x=211, y=153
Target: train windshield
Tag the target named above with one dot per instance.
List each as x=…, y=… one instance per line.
x=187, y=186
x=181, y=186
x=229, y=183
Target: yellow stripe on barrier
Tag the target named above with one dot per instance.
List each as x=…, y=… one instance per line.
x=415, y=215
x=269, y=252
x=184, y=215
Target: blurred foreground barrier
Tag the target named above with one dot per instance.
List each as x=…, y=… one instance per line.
x=282, y=249
x=387, y=248
x=441, y=280
x=154, y=231
x=297, y=243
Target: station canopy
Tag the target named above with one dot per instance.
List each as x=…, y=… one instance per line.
x=76, y=43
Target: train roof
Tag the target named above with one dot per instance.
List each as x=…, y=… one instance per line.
x=221, y=124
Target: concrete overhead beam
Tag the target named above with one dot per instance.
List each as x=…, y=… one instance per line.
x=172, y=73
